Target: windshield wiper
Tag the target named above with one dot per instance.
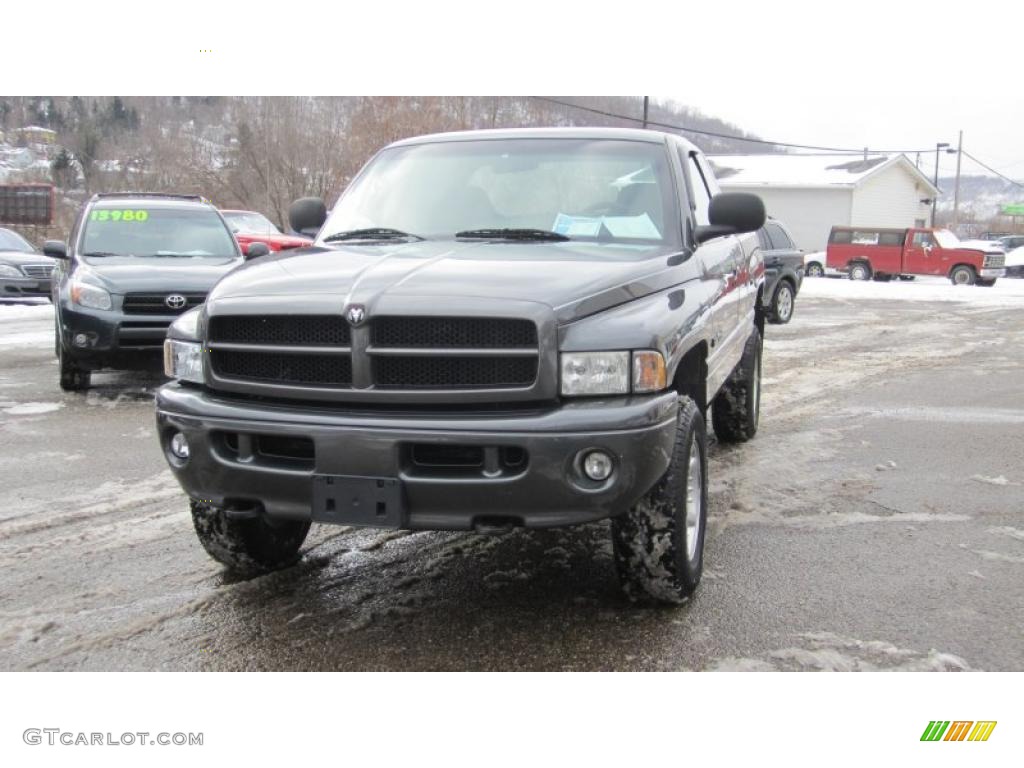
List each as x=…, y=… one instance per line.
x=371, y=233
x=513, y=234
x=99, y=254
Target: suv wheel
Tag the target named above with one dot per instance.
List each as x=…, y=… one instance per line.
x=737, y=408
x=782, y=304
x=72, y=377
x=659, y=543
x=860, y=272
x=248, y=546
x=962, y=275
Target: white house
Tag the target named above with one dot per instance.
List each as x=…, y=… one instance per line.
x=812, y=193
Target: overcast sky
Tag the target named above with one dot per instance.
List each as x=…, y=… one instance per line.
x=887, y=74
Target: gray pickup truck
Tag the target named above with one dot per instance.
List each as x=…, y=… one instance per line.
x=491, y=329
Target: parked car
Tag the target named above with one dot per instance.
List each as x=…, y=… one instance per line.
x=865, y=253
x=1015, y=262
x=252, y=227
x=993, y=235
x=488, y=332
x=134, y=263
x=1012, y=242
x=24, y=272
x=783, y=271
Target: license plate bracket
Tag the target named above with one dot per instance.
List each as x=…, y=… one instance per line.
x=376, y=502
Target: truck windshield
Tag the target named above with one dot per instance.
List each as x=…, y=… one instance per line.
x=584, y=189
x=133, y=230
x=946, y=239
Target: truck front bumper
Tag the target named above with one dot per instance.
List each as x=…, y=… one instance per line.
x=993, y=272
x=456, y=470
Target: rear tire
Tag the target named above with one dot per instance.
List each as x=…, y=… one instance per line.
x=781, y=311
x=659, y=543
x=860, y=271
x=985, y=283
x=248, y=546
x=906, y=277
x=736, y=410
x=962, y=275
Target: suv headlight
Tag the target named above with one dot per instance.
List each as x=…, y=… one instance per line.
x=91, y=296
x=609, y=373
x=8, y=271
x=183, y=360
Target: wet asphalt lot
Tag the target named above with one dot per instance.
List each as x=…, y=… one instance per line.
x=875, y=522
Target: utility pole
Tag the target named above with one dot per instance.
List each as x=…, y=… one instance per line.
x=935, y=197
x=647, y=101
x=956, y=186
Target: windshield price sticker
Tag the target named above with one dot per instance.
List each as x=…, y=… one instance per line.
x=116, y=215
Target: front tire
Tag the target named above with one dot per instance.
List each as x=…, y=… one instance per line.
x=72, y=377
x=248, y=546
x=781, y=311
x=659, y=543
x=962, y=275
x=736, y=410
x=814, y=269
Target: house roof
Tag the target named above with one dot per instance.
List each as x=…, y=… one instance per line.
x=808, y=171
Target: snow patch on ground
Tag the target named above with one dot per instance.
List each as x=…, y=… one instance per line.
x=1000, y=480
x=32, y=409
x=1006, y=292
x=25, y=312
x=828, y=652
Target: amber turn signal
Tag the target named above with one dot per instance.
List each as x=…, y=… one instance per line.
x=648, y=372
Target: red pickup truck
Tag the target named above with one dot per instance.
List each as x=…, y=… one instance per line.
x=867, y=252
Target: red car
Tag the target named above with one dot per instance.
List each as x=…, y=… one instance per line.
x=871, y=252
x=252, y=227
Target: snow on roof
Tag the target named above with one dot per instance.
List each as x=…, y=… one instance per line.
x=819, y=171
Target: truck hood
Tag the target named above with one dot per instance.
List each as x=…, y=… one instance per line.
x=573, y=278
x=158, y=275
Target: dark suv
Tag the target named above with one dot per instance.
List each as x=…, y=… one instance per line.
x=783, y=271
x=133, y=263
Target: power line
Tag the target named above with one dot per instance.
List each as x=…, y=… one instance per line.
x=717, y=135
x=993, y=170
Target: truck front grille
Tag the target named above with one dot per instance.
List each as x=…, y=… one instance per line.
x=156, y=303
x=388, y=353
x=454, y=372
x=454, y=332
x=300, y=330
x=283, y=368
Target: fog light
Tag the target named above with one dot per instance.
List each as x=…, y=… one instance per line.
x=597, y=465
x=179, y=445
x=81, y=340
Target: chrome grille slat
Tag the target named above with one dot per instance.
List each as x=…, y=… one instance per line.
x=37, y=270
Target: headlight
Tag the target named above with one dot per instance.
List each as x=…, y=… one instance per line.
x=186, y=326
x=608, y=373
x=8, y=271
x=183, y=360
x=91, y=296
x=595, y=373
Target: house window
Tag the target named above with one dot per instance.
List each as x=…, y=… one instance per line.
x=919, y=223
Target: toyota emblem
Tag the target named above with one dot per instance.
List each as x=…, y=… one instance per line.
x=176, y=301
x=356, y=314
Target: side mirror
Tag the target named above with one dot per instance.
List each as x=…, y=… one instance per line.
x=56, y=249
x=732, y=213
x=306, y=215
x=256, y=250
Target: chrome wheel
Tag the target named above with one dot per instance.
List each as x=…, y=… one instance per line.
x=784, y=302
x=815, y=270
x=694, y=501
